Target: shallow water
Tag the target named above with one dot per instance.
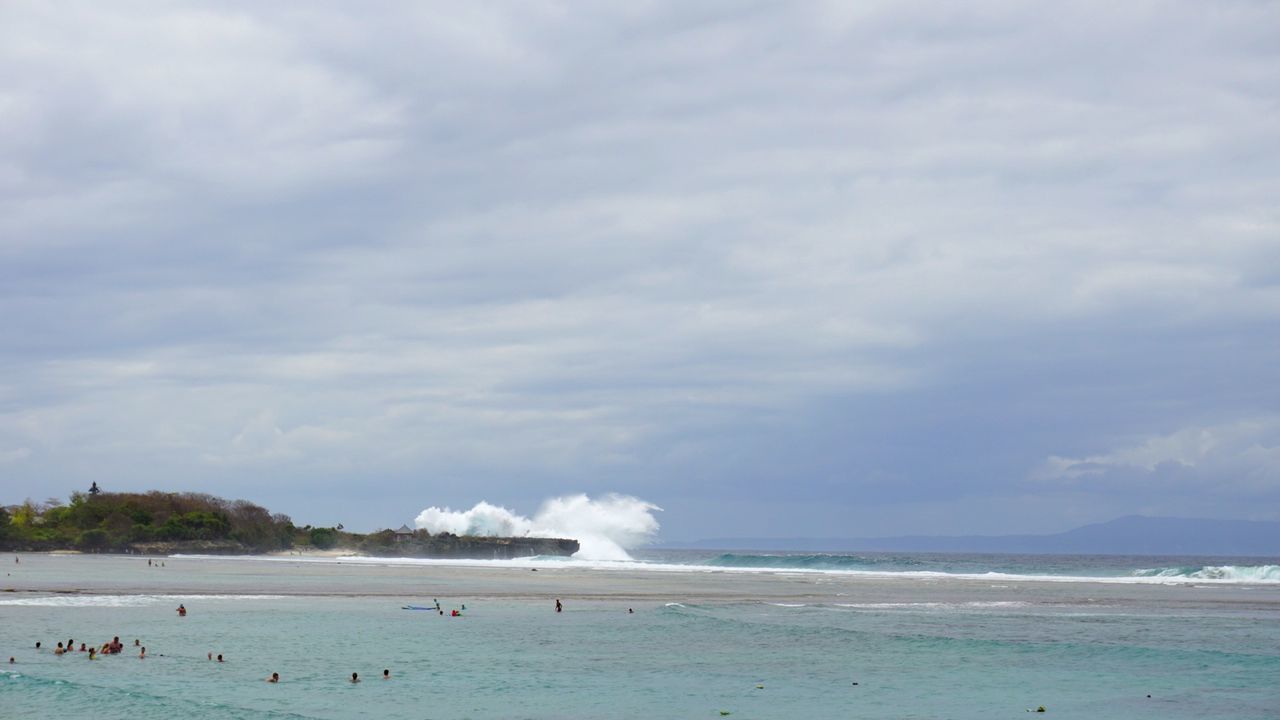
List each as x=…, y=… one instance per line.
x=697, y=644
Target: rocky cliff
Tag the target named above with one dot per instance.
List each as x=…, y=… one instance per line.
x=446, y=545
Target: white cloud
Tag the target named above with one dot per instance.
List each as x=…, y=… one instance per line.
x=433, y=238
x=13, y=455
x=1242, y=455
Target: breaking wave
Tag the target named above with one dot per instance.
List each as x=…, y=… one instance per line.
x=605, y=528
x=1237, y=573
x=818, y=561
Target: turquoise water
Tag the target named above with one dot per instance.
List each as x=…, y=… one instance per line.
x=1242, y=569
x=697, y=644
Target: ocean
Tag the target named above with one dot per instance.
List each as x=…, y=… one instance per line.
x=675, y=634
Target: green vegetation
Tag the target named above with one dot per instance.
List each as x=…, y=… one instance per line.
x=162, y=523
x=116, y=522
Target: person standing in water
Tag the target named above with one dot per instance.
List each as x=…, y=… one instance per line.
x=386, y=674
x=275, y=678
x=355, y=677
x=559, y=607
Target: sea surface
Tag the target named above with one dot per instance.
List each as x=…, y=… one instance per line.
x=674, y=634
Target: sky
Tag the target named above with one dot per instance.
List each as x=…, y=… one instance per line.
x=781, y=269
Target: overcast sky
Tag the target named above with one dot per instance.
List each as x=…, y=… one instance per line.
x=779, y=268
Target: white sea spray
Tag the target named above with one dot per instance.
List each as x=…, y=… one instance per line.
x=605, y=528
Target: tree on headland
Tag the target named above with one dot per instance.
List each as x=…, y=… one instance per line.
x=24, y=515
x=93, y=540
x=323, y=538
x=123, y=521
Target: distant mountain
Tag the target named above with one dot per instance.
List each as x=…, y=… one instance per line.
x=1129, y=535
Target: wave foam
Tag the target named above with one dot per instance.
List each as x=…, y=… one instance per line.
x=604, y=528
x=1228, y=573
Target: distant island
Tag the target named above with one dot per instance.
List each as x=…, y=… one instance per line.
x=164, y=523
x=1129, y=535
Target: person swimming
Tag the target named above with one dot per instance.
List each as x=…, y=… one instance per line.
x=275, y=678
x=219, y=658
x=355, y=677
x=386, y=674
x=93, y=653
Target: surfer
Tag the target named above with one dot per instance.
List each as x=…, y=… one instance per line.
x=559, y=607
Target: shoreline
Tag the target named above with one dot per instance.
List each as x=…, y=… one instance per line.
x=124, y=575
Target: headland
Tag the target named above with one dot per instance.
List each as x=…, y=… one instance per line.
x=165, y=523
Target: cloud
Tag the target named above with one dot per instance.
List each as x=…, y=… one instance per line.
x=14, y=455
x=890, y=256
x=1240, y=457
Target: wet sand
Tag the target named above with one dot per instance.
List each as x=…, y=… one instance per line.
x=303, y=575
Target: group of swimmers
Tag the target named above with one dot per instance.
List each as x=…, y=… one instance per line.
x=355, y=677
x=113, y=647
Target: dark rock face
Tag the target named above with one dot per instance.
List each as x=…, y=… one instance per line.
x=446, y=545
